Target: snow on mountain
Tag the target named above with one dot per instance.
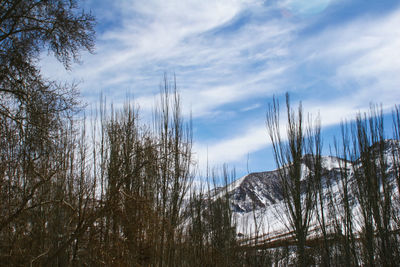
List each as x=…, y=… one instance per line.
x=257, y=197
x=257, y=203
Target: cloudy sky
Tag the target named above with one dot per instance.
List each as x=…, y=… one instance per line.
x=231, y=56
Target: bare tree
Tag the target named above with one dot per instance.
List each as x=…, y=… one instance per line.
x=374, y=188
x=298, y=188
x=35, y=118
x=27, y=28
x=343, y=213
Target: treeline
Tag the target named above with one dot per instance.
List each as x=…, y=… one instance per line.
x=348, y=216
x=104, y=191
x=107, y=189
x=113, y=191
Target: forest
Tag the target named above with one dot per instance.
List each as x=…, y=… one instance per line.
x=106, y=188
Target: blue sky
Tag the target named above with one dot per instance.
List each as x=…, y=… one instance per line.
x=231, y=56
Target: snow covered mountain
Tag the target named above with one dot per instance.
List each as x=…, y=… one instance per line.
x=256, y=199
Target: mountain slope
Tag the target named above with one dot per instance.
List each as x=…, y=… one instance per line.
x=257, y=203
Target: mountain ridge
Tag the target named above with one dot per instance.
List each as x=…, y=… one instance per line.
x=256, y=199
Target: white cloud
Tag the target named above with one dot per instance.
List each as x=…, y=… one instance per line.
x=305, y=7
x=232, y=149
x=359, y=51
x=158, y=36
x=215, y=66
x=363, y=53
x=251, y=107
x=153, y=30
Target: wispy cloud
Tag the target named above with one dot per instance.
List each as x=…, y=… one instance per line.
x=252, y=107
x=231, y=55
x=363, y=58
x=361, y=61
x=232, y=149
x=191, y=39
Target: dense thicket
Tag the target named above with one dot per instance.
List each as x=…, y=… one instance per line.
x=356, y=223
x=112, y=190
x=36, y=132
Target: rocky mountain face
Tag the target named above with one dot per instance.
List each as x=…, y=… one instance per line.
x=257, y=202
x=262, y=189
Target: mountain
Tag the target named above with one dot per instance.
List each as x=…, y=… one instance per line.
x=256, y=199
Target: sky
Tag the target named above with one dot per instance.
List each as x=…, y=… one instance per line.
x=230, y=57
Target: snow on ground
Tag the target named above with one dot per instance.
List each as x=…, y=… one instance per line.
x=269, y=221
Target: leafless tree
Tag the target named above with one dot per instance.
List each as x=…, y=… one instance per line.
x=374, y=186
x=298, y=189
x=344, y=204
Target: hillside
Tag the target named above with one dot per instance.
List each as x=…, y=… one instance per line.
x=257, y=203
